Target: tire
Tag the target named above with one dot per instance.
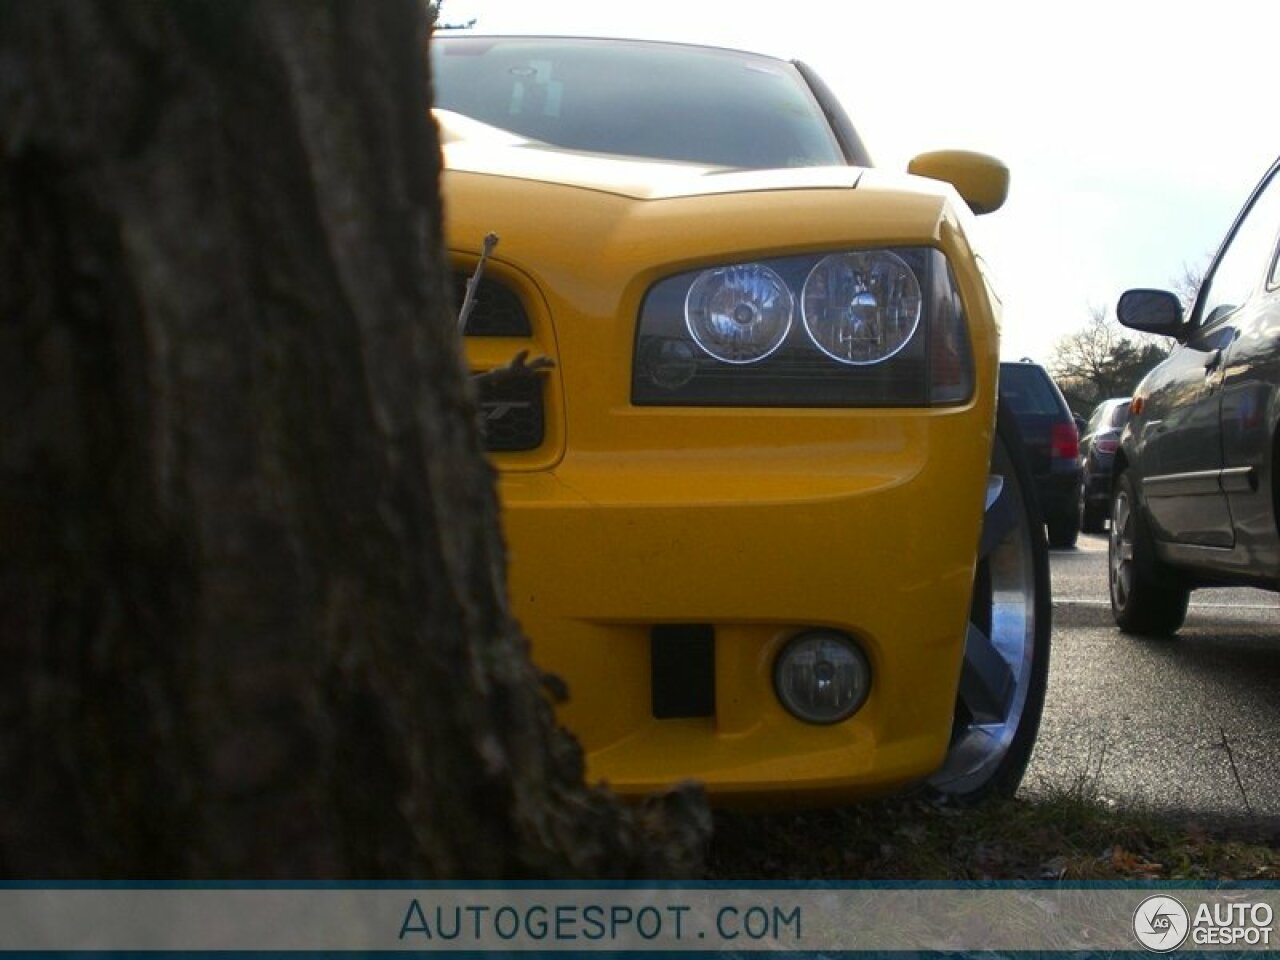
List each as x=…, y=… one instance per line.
x=1064, y=528
x=1093, y=518
x=1146, y=596
x=1006, y=664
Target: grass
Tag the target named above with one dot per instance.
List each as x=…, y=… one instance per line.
x=1059, y=834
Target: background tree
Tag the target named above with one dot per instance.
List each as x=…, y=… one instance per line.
x=1099, y=361
x=1187, y=284
x=434, y=10
x=252, y=591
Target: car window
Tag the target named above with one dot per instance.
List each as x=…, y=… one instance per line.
x=1246, y=259
x=646, y=100
x=1118, y=415
x=1028, y=390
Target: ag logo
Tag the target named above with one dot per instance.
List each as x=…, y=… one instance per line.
x=1161, y=923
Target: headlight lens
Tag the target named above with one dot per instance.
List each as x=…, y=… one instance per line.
x=861, y=308
x=739, y=314
x=822, y=677
x=882, y=327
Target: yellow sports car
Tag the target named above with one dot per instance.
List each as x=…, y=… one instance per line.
x=740, y=387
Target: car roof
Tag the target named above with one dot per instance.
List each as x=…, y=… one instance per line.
x=460, y=36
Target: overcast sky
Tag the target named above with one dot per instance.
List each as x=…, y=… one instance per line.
x=1133, y=130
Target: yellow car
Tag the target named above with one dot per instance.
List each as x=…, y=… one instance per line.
x=740, y=388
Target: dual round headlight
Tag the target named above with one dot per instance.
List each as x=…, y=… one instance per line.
x=861, y=308
x=739, y=314
x=858, y=308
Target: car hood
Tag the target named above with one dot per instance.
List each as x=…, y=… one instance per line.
x=604, y=223
x=479, y=148
x=636, y=178
x=582, y=241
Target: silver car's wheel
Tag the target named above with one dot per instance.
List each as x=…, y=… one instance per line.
x=1146, y=597
x=1120, y=550
x=1006, y=661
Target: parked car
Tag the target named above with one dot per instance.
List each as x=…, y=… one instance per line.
x=1099, y=441
x=1052, y=443
x=746, y=496
x=1196, y=488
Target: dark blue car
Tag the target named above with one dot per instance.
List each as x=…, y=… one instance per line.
x=1052, y=443
x=1099, y=441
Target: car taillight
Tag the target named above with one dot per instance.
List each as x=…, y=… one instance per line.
x=1064, y=442
x=1109, y=445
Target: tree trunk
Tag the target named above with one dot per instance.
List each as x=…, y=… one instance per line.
x=252, y=587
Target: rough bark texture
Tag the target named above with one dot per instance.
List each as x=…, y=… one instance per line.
x=252, y=596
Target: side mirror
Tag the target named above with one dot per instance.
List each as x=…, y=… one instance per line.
x=981, y=180
x=1151, y=311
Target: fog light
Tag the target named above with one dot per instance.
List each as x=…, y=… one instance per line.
x=822, y=677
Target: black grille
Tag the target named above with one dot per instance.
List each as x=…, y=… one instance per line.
x=682, y=659
x=497, y=311
x=511, y=414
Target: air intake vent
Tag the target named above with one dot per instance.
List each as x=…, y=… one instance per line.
x=497, y=311
x=511, y=415
x=682, y=659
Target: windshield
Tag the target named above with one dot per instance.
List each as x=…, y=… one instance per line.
x=1118, y=415
x=665, y=101
x=1029, y=391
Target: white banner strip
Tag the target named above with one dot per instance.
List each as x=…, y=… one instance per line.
x=636, y=919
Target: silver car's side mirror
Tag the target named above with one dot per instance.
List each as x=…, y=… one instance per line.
x=1151, y=311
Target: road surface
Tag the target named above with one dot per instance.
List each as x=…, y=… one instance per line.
x=1188, y=724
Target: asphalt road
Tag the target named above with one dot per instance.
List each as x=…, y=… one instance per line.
x=1190, y=724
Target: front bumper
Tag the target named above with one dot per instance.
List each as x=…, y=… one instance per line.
x=865, y=522
x=635, y=529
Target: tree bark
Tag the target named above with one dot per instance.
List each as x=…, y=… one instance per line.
x=252, y=588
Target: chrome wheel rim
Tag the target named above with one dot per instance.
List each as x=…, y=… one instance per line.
x=1120, y=550
x=1000, y=644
